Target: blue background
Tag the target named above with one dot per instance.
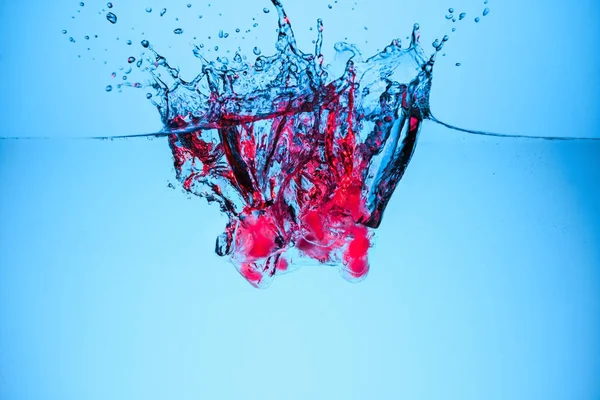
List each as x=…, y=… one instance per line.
x=485, y=278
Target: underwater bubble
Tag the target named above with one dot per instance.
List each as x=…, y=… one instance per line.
x=87, y=37
x=189, y=5
x=462, y=16
x=266, y=10
x=476, y=19
x=458, y=64
x=329, y=6
x=112, y=18
x=130, y=60
x=178, y=31
x=148, y=9
x=108, y=88
x=145, y=43
x=64, y=31
x=256, y=51
x=486, y=11
x=451, y=10
x=109, y=5
x=129, y=42
x=237, y=30
x=163, y=12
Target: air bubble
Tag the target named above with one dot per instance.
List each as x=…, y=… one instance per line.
x=178, y=31
x=266, y=10
x=64, y=31
x=109, y=5
x=458, y=64
x=130, y=60
x=189, y=5
x=129, y=42
x=87, y=37
x=476, y=19
x=145, y=43
x=108, y=88
x=256, y=51
x=451, y=10
x=112, y=18
x=81, y=4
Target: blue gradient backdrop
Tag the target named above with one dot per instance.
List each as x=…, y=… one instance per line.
x=485, y=279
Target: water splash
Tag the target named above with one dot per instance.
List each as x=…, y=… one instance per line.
x=303, y=165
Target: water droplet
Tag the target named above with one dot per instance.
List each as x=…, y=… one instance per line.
x=124, y=78
x=266, y=10
x=451, y=10
x=71, y=39
x=114, y=74
x=130, y=60
x=64, y=31
x=449, y=16
x=462, y=16
x=148, y=95
x=129, y=42
x=145, y=43
x=108, y=88
x=458, y=64
x=112, y=18
x=225, y=35
x=486, y=11
x=178, y=31
x=221, y=34
x=237, y=58
x=256, y=51
x=87, y=37
x=109, y=5
x=485, y=2
x=255, y=25
x=163, y=12
x=329, y=6
x=216, y=48
x=453, y=29
x=81, y=4
x=200, y=16
x=237, y=30
x=189, y=5
x=148, y=9
x=476, y=19
x=139, y=63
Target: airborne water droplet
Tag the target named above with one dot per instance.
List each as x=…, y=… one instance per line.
x=109, y=5
x=145, y=43
x=108, y=88
x=71, y=39
x=451, y=10
x=112, y=18
x=476, y=19
x=458, y=64
x=64, y=31
x=163, y=11
x=266, y=10
x=221, y=34
x=82, y=4
x=129, y=42
x=87, y=37
x=130, y=60
x=256, y=51
x=178, y=31
x=148, y=95
x=148, y=9
x=189, y=5
x=486, y=11
x=329, y=6
x=462, y=16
